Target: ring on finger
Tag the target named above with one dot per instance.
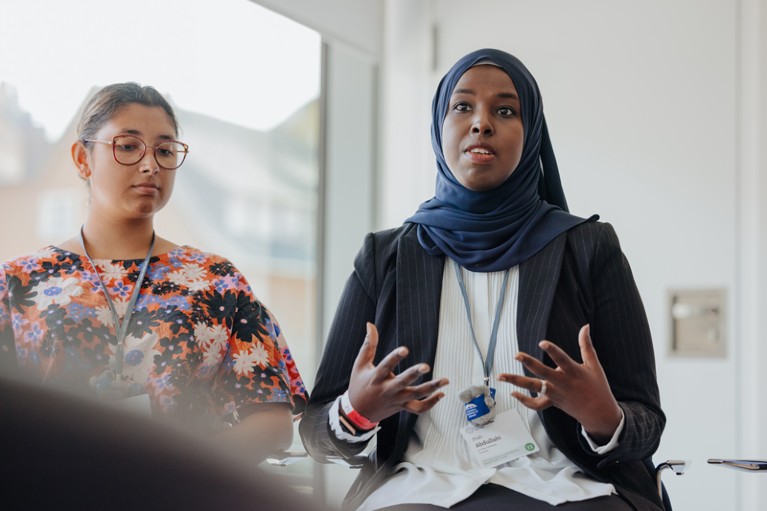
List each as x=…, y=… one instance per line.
x=542, y=392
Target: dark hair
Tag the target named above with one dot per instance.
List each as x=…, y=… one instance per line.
x=108, y=100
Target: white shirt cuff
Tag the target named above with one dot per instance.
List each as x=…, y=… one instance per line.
x=609, y=446
x=335, y=425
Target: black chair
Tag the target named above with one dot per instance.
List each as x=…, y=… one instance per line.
x=677, y=466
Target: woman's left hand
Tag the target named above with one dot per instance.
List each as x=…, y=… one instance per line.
x=580, y=390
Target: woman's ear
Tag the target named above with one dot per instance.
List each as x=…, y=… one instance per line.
x=81, y=158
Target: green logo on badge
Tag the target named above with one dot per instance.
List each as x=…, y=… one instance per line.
x=530, y=446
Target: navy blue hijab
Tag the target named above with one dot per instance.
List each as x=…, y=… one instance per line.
x=496, y=229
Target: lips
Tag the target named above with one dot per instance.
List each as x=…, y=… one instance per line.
x=480, y=153
x=146, y=187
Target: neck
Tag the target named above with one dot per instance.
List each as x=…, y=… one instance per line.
x=124, y=240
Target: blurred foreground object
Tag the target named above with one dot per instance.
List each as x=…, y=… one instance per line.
x=63, y=451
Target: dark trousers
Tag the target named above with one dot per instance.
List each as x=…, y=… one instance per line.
x=491, y=497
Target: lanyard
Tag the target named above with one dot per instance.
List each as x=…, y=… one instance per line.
x=121, y=327
x=488, y=362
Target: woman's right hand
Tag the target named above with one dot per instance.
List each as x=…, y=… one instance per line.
x=376, y=392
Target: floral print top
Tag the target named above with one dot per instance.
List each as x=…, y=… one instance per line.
x=198, y=343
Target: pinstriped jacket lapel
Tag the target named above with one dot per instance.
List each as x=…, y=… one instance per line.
x=538, y=277
x=419, y=288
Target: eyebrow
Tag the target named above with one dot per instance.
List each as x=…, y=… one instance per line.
x=138, y=133
x=505, y=95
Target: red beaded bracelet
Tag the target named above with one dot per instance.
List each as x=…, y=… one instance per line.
x=353, y=415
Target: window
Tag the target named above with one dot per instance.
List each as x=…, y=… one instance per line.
x=245, y=83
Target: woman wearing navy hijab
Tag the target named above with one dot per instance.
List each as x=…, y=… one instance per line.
x=529, y=313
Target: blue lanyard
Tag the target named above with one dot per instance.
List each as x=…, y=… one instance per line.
x=487, y=362
x=121, y=327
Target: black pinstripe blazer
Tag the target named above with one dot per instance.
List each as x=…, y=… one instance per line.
x=580, y=277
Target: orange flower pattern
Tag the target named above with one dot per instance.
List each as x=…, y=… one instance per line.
x=199, y=342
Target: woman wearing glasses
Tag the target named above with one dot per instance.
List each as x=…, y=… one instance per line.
x=144, y=322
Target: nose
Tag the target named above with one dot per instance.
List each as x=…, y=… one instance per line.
x=482, y=125
x=148, y=164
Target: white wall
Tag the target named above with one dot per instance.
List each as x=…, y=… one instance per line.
x=753, y=240
x=656, y=116
x=407, y=87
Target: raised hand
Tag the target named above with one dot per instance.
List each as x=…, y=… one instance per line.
x=376, y=392
x=579, y=389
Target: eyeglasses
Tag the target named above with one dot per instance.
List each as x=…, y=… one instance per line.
x=129, y=150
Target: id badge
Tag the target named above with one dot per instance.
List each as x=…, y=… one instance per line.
x=503, y=440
